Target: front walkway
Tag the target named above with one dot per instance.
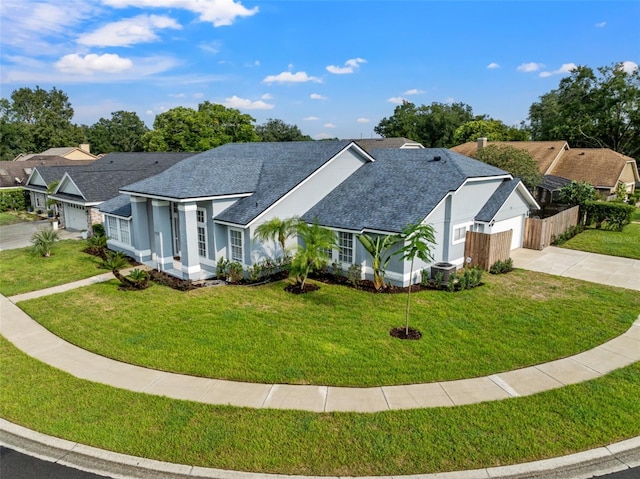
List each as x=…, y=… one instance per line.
x=38, y=342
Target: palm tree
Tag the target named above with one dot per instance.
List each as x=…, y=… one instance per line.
x=378, y=246
x=418, y=239
x=277, y=230
x=43, y=241
x=316, y=241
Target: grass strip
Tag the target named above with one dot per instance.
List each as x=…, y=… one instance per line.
x=340, y=336
x=625, y=243
x=550, y=424
x=22, y=271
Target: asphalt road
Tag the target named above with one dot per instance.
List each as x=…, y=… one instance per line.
x=15, y=465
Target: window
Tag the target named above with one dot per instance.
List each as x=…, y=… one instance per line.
x=345, y=247
x=202, y=233
x=235, y=243
x=460, y=233
x=118, y=229
x=175, y=226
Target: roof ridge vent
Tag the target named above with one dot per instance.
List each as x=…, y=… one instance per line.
x=437, y=158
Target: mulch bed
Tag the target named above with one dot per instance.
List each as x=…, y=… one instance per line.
x=401, y=333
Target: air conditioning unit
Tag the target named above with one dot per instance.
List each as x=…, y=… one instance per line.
x=444, y=269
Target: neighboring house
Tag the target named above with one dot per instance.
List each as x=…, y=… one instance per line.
x=81, y=152
x=601, y=167
x=208, y=206
x=82, y=189
x=16, y=173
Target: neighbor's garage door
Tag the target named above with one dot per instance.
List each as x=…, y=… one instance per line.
x=516, y=224
x=75, y=217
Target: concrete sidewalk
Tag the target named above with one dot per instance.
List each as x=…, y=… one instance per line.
x=597, y=268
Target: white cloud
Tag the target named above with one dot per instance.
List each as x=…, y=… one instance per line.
x=245, y=104
x=530, y=67
x=288, y=77
x=351, y=66
x=267, y=96
x=565, y=68
x=363, y=120
x=177, y=95
x=92, y=63
x=140, y=29
x=317, y=96
x=493, y=66
x=217, y=12
x=311, y=118
x=198, y=95
x=396, y=99
x=211, y=47
x=329, y=125
x=629, y=67
x=601, y=24
x=414, y=91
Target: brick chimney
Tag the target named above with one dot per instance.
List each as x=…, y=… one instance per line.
x=482, y=142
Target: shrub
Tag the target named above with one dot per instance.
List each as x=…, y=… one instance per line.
x=221, y=267
x=424, y=277
x=500, y=267
x=567, y=235
x=13, y=200
x=97, y=229
x=609, y=215
x=354, y=274
x=336, y=269
x=235, y=272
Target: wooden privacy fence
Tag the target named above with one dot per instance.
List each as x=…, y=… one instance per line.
x=485, y=249
x=539, y=233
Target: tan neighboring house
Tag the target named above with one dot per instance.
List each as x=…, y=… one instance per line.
x=81, y=152
x=602, y=167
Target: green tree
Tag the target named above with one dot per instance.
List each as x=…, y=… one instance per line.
x=277, y=230
x=43, y=241
x=576, y=193
x=492, y=130
x=312, y=253
x=417, y=241
x=278, y=130
x=46, y=116
x=378, y=247
x=186, y=129
x=122, y=132
x=590, y=109
x=514, y=160
x=433, y=125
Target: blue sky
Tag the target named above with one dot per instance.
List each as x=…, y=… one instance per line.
x=333, y=68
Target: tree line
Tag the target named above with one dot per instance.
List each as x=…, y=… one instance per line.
x=589, y=109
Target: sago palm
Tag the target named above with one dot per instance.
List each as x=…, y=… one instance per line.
x=43, y=241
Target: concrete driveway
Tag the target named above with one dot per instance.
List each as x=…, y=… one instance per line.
x=19, y=235
x=597, y=268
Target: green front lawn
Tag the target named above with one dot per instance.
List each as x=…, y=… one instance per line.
x=12, y=217
x=22, y=271
x=625, y=243
x=337, y=335
x=550, y=424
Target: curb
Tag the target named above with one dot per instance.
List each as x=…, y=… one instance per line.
x=616, y=457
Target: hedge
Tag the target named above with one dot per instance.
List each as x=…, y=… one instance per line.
x=14, y=199
x=614, y=216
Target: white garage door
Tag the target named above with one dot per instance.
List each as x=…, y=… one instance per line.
x=515, y=224
x=75, y=217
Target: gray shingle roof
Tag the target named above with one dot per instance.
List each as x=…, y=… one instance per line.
x=495, y=202
x=119, y=206
x=265, y=170
x=402, y=186
x=104, y=177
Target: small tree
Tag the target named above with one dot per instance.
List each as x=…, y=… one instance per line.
x=312, y=254
x=514, y=160
x=277, y=230
x=378, y=247
x=418, y=239
x=577, y=193
x=43, y=241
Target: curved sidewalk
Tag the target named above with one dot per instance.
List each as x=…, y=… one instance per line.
x=38, y=342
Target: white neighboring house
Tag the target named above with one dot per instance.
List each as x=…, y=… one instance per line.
x=208, y=206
